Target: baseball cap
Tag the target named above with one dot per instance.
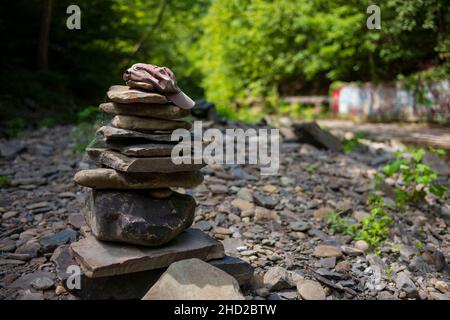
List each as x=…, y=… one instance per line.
x=162, y=79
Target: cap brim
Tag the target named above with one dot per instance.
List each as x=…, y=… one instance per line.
x=181, y=100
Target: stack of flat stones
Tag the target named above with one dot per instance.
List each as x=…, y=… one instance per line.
x=138, y=225
x=131, y=199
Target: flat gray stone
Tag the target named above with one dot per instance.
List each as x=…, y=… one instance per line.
x=141, y=85
x=10, y=148
x=124, y=163
x=26, y=280
x=124, y=94
x=160, y=111
x=240, y=270
x=148, y=124
x=137, y=218
x=143, y=150
x=104, y=178
x=194, y=279
x=101, y=259
x=112, y=133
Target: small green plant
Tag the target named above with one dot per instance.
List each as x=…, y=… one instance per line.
x=88, y=115
x=352, y=144
x=5, y=182
x=48, y=122
x=414, y=179
x=14, y=126
x=375, y=229
x=340, y=224
x=390, y=270
x=84, y=132
x=311, y=168
x=420, y=246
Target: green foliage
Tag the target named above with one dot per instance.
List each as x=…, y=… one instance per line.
x=88, y=114
x=5, y=182
x=83, y=133
x=14, y=126
x=415, y=179
x=340, y=224
x=48, y=122
x=375, y=228
x=257, y=47
x=229, y=50
x=352, y=144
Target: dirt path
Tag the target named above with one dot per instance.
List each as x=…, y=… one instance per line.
x=421, y=134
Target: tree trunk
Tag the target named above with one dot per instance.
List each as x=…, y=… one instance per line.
x=46, y=16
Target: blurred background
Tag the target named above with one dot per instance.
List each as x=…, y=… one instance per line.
x=252, y=58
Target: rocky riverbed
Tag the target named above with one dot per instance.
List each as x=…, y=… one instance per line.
x=276, y=223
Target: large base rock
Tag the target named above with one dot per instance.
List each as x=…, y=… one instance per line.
x=135, y=217
x=101, y=259
x=133, y=285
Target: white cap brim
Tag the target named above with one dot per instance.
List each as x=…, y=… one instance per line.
x=181, y=100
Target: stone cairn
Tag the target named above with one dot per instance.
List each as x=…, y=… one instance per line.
x=131, y=200
x=138, y=224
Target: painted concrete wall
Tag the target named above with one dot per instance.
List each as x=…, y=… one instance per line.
x=428, y=102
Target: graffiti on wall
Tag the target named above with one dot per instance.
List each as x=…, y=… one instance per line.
x=428, y=101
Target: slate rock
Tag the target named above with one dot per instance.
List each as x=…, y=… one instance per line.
x=419, y=264
x=123, y=163
x=264, y=201
x=160, y=111
x=148, y=124
x=111, y=133
x=404, y=283
x=310, y=290
x=328, y=263
x=141, y=85
x=277, y=278
x=77, y=220
x=42, y=283
x=30, y=295
x=103, y=178
x=133, y=285
x=53, y=240
x=26, y=280
x=331, y=274
x=30, y=248
x=101, y=259
x=142, y=150
x=299, y=225
x=193, y=279
x=239, y=269
x=324, y=251
x=134, y=217
x=203, y=225
x=9, y=149
x=124, y=94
